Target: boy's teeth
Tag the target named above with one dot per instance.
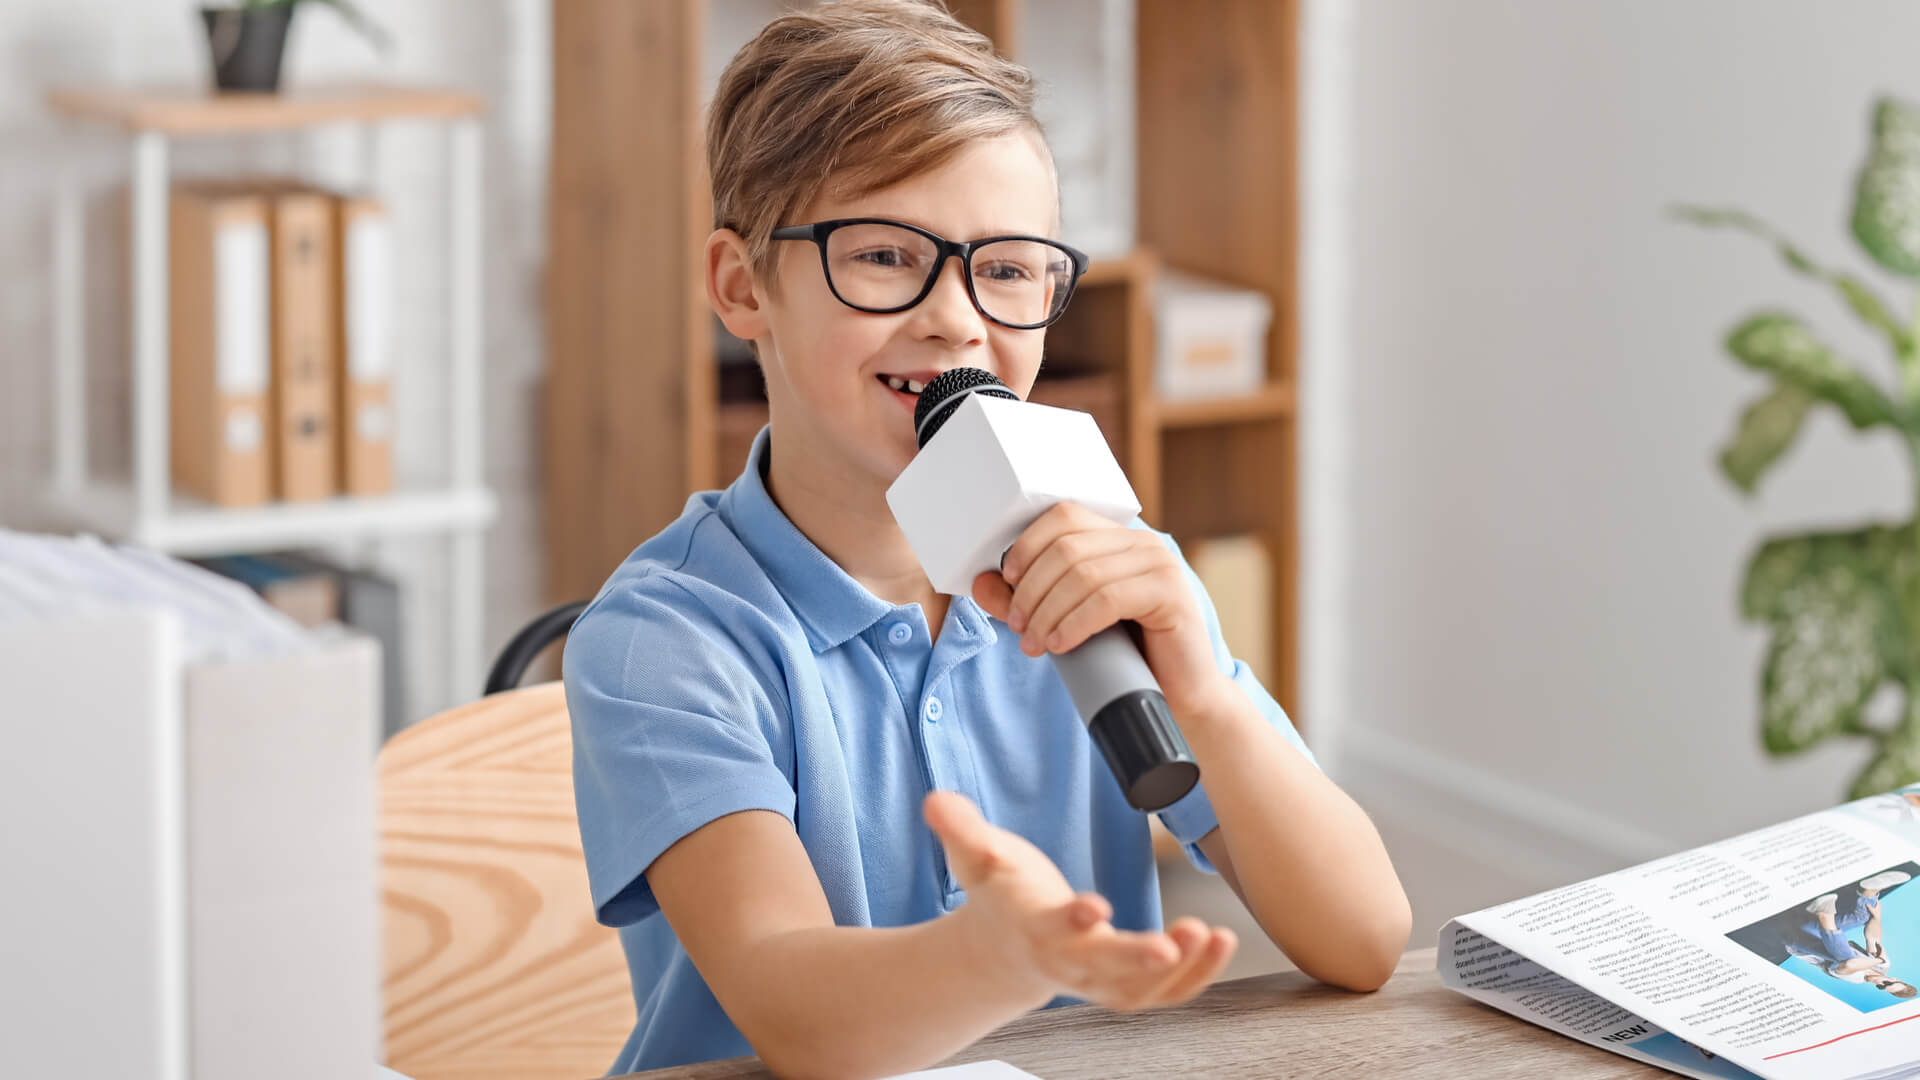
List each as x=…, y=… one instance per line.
x=897, y=384
x=914, y=387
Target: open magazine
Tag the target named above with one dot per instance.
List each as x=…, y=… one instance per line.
x=1785, y=953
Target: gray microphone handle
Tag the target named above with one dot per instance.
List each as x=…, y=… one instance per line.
x=1105, y=667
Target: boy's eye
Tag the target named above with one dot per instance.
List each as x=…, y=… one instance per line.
x=883, y=257
x=1003, y=271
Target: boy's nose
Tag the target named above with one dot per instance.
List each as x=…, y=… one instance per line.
x=948, y=312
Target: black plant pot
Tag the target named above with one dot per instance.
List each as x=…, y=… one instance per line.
x=246, y=44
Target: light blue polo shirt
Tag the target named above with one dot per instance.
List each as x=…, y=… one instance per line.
x=729, y=665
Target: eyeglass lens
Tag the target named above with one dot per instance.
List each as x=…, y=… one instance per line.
x=882, y=267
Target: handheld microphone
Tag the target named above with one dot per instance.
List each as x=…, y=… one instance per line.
x=998, y=464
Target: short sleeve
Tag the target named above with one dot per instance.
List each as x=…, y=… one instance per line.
x=671, y=730
x=1192, y=817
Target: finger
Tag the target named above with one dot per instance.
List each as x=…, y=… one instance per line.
x=1061, y=518
x=1088, y=910
x=1154, y=598
x=1076, y=562
x=993, y=594
x=1191, y=936
x=1115, y=967
x=969, y=841
x=1094, y=596
x=1213, y=958
x=1062, y=552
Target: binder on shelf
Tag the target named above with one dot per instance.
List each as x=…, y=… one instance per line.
x=305, y=458
x=304, y=593
x=219, y=330
x=364, y=302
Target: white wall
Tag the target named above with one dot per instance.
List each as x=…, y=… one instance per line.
x=497, y=48
x=1522, y=562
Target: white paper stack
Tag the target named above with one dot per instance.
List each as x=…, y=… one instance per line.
x=43, y=577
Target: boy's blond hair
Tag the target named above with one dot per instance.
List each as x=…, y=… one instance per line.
x=862, y=93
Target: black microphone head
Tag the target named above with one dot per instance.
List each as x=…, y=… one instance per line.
x=945, y=393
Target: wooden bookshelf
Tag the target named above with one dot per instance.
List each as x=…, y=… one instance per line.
x=635, y=420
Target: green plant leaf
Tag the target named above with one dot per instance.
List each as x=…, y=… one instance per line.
x=1833, y=602
x=1857, y=294
x=1767, y=428
x=1887, y=551
x=1779, y=345
x=1886, y=205
x=1824, y=662
x=1896, y=765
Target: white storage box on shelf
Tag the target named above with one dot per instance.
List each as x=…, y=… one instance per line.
x=1210, y=338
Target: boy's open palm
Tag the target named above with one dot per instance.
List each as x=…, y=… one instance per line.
x=1052, y=940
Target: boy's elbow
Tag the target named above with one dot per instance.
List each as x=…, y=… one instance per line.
x=1372, y=954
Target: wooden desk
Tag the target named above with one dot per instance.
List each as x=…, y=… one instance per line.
x=1282, y=1025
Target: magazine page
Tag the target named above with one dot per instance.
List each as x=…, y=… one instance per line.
x=1786, y=951
x=1491, y=973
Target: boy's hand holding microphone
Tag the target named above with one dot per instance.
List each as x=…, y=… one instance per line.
x=1025, y=505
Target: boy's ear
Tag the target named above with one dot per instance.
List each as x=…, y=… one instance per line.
x=732, y=289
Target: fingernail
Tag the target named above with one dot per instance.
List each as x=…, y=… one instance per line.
x=1054, y=640
x=1016, y=621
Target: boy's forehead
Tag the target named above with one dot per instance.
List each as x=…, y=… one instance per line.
x=989, y=187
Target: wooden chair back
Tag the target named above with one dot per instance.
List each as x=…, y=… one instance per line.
x=495, y=967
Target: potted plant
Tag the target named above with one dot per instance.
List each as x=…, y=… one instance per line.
x=246, y=39
x=1843, y=606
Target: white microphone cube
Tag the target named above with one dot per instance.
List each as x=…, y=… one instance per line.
x=991, y=469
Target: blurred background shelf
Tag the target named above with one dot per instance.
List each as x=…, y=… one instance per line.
x=146, y=508
x=1272, y=402
x=193, y=527
x=181, y=111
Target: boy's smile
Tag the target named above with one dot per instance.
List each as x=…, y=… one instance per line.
x=905, y=386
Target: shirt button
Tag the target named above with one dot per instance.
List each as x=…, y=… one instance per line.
x=900, y=633
x=933, y=710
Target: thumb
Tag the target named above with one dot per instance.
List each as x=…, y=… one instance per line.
x=993, y=594
x=969, y=840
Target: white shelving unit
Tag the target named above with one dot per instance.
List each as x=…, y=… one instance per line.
x=147, y=511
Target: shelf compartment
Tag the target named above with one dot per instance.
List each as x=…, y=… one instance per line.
x=193, y=527
x=1274, y=401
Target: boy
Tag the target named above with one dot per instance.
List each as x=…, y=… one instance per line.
x=769, y=695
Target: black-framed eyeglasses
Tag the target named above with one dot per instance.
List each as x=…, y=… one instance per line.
x=882, y=267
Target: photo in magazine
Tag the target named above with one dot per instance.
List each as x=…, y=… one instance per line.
x=1859, y=943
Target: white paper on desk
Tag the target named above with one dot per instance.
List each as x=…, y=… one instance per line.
x=978, y=1070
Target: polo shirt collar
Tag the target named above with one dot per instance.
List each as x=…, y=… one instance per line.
x=831, y=605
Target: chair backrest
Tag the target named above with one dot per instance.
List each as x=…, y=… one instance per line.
x=495, y=967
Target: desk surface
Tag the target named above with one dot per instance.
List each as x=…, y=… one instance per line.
x=1279, y=1025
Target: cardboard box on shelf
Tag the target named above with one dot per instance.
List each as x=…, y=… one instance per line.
x=1210, y=338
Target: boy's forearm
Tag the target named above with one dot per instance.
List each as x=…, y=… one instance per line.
x=852, y=1001
x=1310, y=865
